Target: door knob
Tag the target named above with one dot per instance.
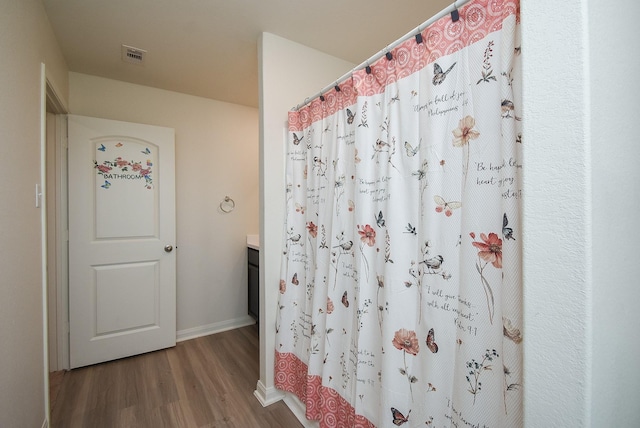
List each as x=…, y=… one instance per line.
x=168, y=248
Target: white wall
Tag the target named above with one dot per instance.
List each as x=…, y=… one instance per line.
x=216, y=156
x=281, y=88
x=26, y=41
x=582, y=199
x=557, y=214
x=614, y=53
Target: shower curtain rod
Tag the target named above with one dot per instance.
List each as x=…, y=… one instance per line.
x=453, y=9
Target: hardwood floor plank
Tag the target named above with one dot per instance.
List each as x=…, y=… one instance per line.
x=127, y=417
x=55, y=382
x=200, y=383
x=189, y=385
x=72, y=396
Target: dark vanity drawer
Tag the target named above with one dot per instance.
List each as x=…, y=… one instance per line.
x=254, y=257
x=254, y=283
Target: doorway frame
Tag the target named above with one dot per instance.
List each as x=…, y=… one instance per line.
x=58, y=262
x=53, y=257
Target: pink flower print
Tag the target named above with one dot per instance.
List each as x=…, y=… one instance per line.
x=121, y=163
x=103, y=168
x=464, y=132
x=407, y=341
x=367, y=235
x=145, y=172
x=283, y=286
x=490, y=252
x=136, y=166
x=461, y=136
x=313, y=229
x=490, y=249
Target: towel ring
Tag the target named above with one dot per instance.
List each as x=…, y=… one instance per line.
x=227, y=205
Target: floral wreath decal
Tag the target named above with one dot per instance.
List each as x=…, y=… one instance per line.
x=135, y=169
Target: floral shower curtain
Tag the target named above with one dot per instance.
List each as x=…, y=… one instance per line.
x=401, y=293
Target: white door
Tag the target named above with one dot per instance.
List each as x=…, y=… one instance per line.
x=122, y=265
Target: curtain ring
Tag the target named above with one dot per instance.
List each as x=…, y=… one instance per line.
x=455, y=16
x=227, y=205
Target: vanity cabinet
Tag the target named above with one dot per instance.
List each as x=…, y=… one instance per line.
x=254, y=283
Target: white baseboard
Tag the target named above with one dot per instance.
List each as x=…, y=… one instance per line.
x=218, y=327
x=267, y=396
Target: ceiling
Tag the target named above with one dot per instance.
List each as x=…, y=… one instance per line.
x=208, y=48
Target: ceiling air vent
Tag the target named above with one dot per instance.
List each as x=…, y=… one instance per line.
x=133, y=55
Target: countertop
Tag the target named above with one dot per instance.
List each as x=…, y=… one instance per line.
x=253, y=241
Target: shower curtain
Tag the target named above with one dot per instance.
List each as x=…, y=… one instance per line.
x=400, y=292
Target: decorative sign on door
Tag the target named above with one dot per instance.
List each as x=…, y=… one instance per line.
x=124, y=177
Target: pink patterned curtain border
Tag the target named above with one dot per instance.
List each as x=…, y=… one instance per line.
x=443, y=37
x=477, y=19
x=334, y=101
x=315, y=396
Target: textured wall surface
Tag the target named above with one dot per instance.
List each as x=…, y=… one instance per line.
x=557, y=214
x=615, y=144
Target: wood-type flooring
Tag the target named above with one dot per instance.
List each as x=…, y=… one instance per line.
x=203, y=382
